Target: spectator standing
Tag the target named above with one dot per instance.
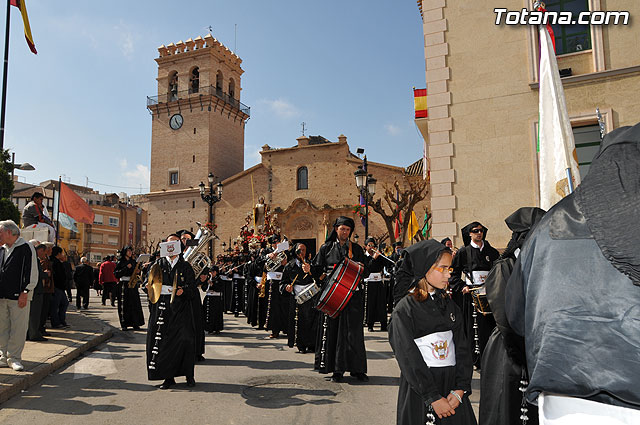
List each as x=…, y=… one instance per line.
x=108, y=280
x=35, y=310
x=83, y=276
x=59, y=301
x=18, y=276
x=47, y=286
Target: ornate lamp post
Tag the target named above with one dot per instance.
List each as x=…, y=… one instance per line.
x=366, y=184
x=210, y=198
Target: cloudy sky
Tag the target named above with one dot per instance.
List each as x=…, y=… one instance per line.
x=78, y=107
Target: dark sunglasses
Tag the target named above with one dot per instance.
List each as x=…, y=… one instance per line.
x=476, y=231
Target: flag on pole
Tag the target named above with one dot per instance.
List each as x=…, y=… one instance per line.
x=25, y=21
x=73, y=209
x=413, y=226
x=420, y=102
x=396, y=230
x=556, y=146
x=425, y=226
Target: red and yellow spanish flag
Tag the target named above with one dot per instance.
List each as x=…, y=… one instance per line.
x=25, y=20
x=420, y=102
x=74, y=206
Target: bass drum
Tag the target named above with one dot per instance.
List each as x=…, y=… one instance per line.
x=339, y=287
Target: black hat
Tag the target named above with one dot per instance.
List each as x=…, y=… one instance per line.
x=397, y=244
x=274, y=239
x=369, y=239
x=445, y=240
x=341, y=221
x=179, y=233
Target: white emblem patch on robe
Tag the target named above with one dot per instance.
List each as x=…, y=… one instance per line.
x=437, y=349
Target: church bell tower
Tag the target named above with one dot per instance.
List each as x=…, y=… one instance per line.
x=197, y=128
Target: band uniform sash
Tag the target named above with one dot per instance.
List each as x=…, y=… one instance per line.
x=437, y=349
x=374, y=277
x=479, y=277
x=166, y=290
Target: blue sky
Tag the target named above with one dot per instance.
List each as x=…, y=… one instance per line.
x=78, y=108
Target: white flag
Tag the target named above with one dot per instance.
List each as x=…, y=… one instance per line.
x=557, y=148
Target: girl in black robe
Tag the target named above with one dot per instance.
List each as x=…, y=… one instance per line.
x=213, y=306
x=437, y=392
x=171, y=335
x=128, y=299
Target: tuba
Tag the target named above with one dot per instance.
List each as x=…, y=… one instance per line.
x=193, y=255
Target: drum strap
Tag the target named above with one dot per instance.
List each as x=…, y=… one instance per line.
x=350, y=251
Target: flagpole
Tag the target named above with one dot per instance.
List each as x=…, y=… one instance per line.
x=58, y=212
x=4, y=76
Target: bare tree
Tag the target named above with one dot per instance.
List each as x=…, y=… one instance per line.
x=409, y=193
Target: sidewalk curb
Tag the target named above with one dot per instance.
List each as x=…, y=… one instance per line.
x=53, y=363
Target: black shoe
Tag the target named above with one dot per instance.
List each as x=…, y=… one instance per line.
x=370, y=328
x=200, y=358
x=190, y=381
x=39, y=339
x=302, y=350
x=45, y=333
x=336, y=377
x=168, y=383
x=362, y=377
x=384, y=329
x=136, y=328
x=124, y=328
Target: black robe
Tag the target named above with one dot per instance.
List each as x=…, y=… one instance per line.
x=467, y=260
x=302, y=321
x=250, y=272
x=212, y=305
x=278, y=303
x=503, y=360
x=237, y=295
x=420, y=384
x=340, y=341
x=171, y=335
x=376, y=300
x=129, y=305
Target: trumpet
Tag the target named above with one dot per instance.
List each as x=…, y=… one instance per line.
x=383, y=256
x=275, y=262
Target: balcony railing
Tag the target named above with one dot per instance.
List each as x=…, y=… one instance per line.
x=197, y=94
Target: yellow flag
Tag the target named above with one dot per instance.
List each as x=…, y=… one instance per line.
x=413, y=226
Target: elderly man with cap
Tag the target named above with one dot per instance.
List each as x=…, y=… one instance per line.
x=574, y=294
x=471, y=266
x=340, y=343
x=18, y=277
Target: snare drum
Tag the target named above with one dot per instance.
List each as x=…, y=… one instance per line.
x=339, y=287
x=307, y=293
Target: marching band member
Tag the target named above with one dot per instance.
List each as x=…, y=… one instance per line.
x=340, y=341
x=427, y=336
x=212, y=306
x=171, y=335
x=376, y=301
x=186, y=236
x=474, y=260
x=128, y=299
x=302, y=322
x=278, y=308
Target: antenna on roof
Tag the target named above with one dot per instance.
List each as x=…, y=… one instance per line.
x=209, y=28
x=303, y=124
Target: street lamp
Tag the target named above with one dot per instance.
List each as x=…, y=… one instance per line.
x=24, y=167
x=210, y=198
x=366, y=184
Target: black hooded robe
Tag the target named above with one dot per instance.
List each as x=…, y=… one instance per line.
x=212, y=306
x=341, y=340
x=376, y=303
x=420, y=384
x=128, y=299
x=171, y=335
x=467, y=260
x=302, y=320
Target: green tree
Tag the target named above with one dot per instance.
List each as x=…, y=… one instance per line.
x=8, y=211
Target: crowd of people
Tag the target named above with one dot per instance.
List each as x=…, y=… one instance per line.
x=550, y=323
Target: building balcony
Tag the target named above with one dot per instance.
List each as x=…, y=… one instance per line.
x=201, y=96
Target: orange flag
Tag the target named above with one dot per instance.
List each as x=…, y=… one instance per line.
x=73, y=206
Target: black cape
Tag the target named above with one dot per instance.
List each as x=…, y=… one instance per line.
x=419, y=384
x=340, y=341
x=171, y=335
x=213, y=306
x=129, y=305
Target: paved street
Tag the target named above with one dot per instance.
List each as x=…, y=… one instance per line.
x=246, y=379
